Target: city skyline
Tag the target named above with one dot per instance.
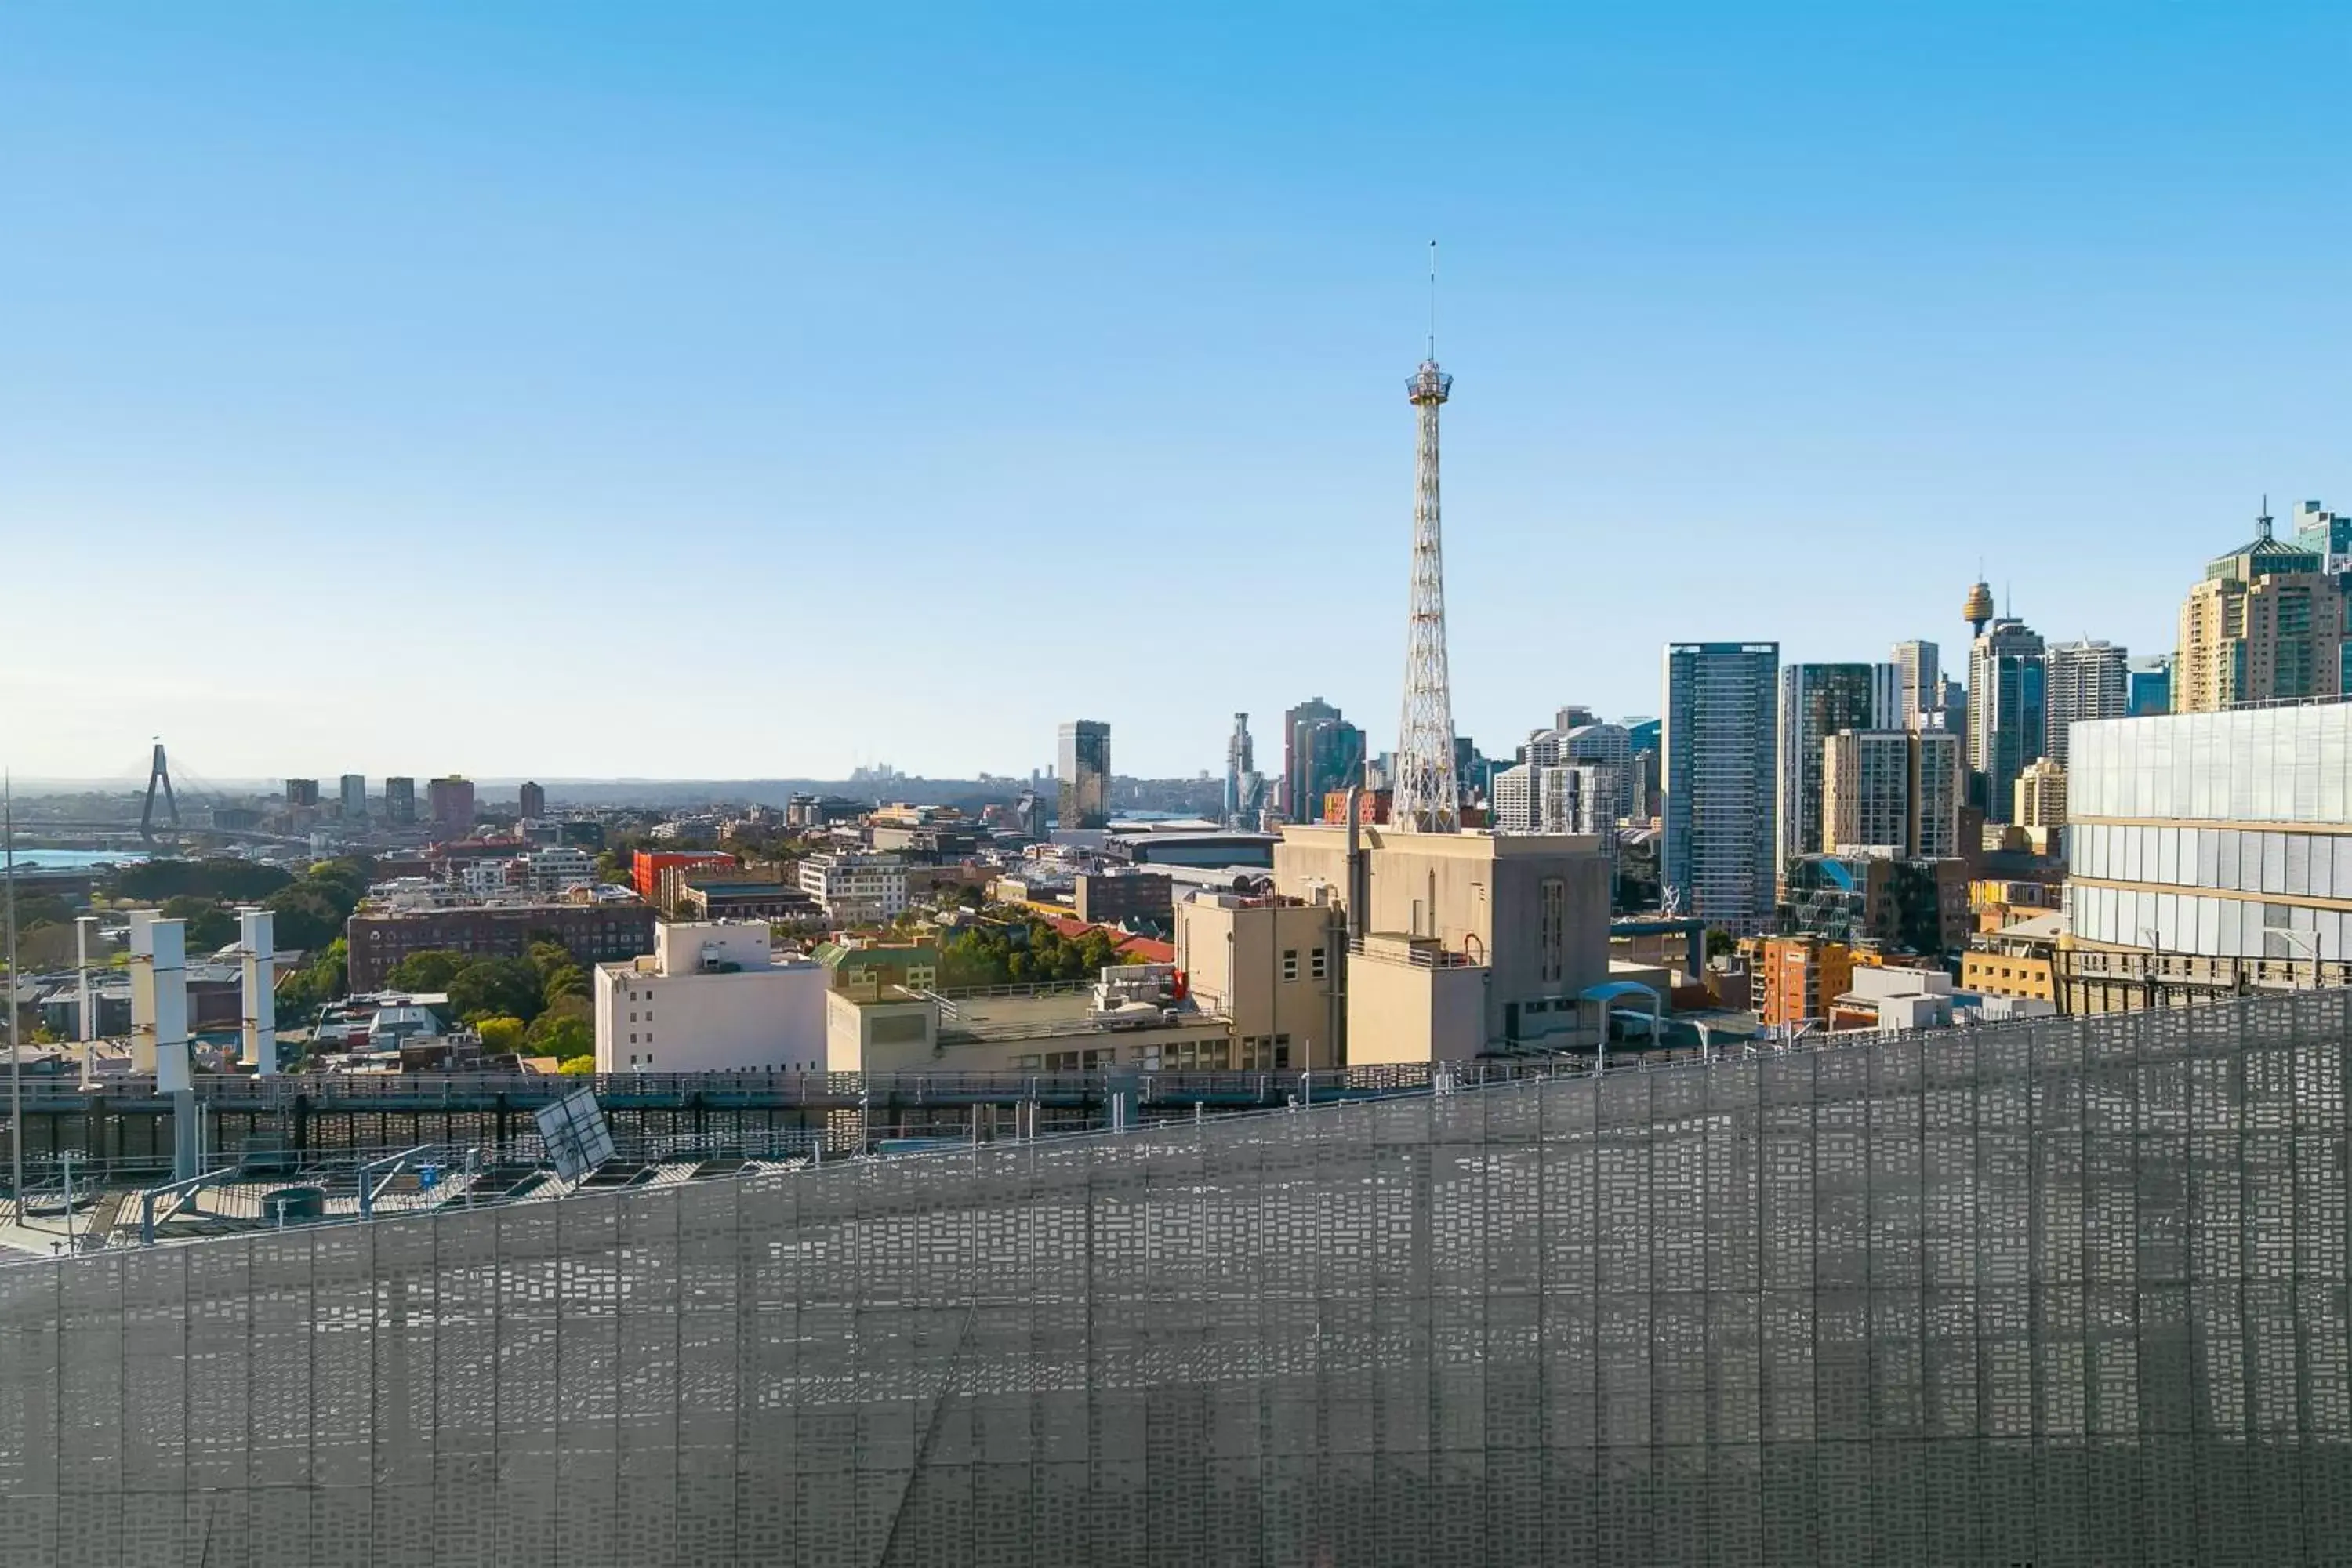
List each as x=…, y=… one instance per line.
x=617, y=310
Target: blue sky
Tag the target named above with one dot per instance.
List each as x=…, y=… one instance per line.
x=723, y=390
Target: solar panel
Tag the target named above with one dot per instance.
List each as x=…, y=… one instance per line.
x=575, y=1134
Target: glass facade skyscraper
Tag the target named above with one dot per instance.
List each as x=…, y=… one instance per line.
x=1720, y=740
x=1818, y=700
x=1082, y=770
x=2008, y=712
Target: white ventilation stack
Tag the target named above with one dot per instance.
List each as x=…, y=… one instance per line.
x=85, y=934
x=258, y=938
x=85, y=929
x=159, y=1025
x=159, y=1000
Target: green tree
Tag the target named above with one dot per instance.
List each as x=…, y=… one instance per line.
x=495, y=987
x=232, y=881
x=319, y=982
x=306, y=917
x=559, y=974
x=1720, y=943
x=343, y=882
x=210, y=927
x=564, y=985
x=561, y=1036
x=577, y=1066
x=428, y=969
x=501, y=1036
x=36, y=909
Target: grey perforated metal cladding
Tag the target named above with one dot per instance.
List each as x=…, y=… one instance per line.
x=2064, y=1292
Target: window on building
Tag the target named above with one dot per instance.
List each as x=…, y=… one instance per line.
x=1552, y=928
x=1316, y=964
x=1281, y=1052
x=1290, y=963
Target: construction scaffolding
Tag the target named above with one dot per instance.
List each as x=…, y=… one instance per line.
x=2070, y=1290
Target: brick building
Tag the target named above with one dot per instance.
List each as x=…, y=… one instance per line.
x=592, y=933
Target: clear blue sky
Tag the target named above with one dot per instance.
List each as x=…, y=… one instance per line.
x=713, y=390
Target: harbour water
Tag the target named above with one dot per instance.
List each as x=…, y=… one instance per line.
x=74, y=860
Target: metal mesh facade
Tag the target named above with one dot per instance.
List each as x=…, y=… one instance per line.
x=2070, y=1291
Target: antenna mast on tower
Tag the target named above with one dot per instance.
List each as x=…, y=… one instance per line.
x=1428, y=797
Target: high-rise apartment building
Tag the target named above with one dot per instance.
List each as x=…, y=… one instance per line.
x=530, y=802
x=1893, y=790
x=1297, y=723
x=1866, y=792
x=2081, y=680
x=1938, y=790
x=2041, y=795
x=451, y=800
x=1557, y=797
x=1603, y=745
x=2008, y=712
x=2267, y=622
x=1513, y=801
x=1817, y=700
x=1324, y=754
x=1241, y=761
x=1084, y=772
x=1595, y=794
x=2326, y=534
x=301, y=794
x=399, y=801
x=1718, y=746
x=1920, y=677
x=351, y=795
x=2147, y=686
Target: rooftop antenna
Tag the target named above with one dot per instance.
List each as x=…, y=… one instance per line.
x=1433, y=309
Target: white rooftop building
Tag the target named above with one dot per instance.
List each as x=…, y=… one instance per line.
x=857, y=889
x=711, y=997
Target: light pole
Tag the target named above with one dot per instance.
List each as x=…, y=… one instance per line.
x=2310, y=940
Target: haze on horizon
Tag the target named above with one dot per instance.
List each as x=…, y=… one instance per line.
x=725, y=391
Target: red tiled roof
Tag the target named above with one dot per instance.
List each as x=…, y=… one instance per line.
x=1143, y=948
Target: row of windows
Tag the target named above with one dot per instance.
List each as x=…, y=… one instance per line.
x=2248, y=861
x=2208, y=927
x=2292, y=765
x=1252, y=1053
x=1316, y=964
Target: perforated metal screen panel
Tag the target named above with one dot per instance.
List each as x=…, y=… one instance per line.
x=2064, y=1292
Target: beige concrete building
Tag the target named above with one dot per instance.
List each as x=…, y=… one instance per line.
x=1271, y=966
x=1892, y=792
x=1523, y=918
x=1131, y=1017
x=2267, y=622
x=2041, y=797
x=1865, y=792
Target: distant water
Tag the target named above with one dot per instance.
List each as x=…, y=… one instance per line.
x=74, y=860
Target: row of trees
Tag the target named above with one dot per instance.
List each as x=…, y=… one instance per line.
x=218, y=878
x=537, y=1005
x=1022, y=953
x=310, y=908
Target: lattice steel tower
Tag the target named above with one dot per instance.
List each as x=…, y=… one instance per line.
x=1428, y=797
